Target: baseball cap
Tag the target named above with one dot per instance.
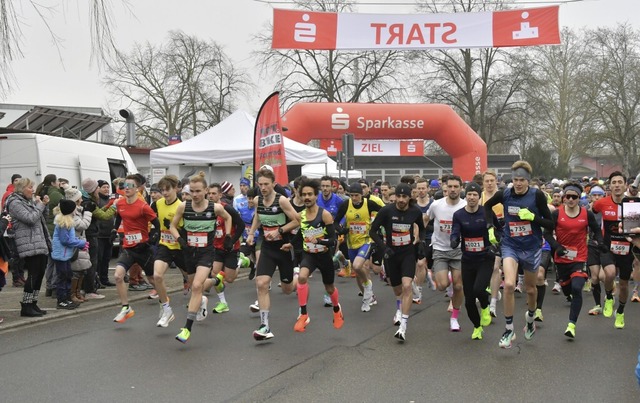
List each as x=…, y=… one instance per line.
x=245, y=181
x=268, y=167
x=363, y=181
x=434, y=183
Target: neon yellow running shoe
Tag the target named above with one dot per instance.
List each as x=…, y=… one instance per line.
x=619, y=321
x=477, y=333
x=220, y=287
x=538, y=316
x=184, y=335
x=571, y=330
x=608, y=308
x=485, y=317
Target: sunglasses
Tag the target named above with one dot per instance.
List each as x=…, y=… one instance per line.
x=129, y=186
x=572, y=197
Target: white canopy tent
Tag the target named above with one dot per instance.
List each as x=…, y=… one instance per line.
x=330, y=167
x=230, y=142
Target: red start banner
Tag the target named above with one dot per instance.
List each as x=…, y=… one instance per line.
x=377, y=148
x=295, y=29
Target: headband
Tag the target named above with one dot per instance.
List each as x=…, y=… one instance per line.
x=574, y=188
x=521, y=173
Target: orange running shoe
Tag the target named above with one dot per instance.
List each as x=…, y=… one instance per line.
x=342, y=273
x=301, y=323
x=338, y=318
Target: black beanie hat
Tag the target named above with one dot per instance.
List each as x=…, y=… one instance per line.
x=67, y=206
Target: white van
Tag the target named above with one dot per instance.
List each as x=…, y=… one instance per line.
x=34, y=156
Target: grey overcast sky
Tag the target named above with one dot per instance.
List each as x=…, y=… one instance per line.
x=64, y=76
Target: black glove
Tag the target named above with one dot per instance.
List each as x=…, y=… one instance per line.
x=154, y=237
x=603, y=248
x=89, y=205
x=454, y=243
x=228, y=242
x=495, y=249
x=166, y=222
x=340, y=230
x=113, y=235
x=561, y=251
x=182, y=242
x=388, y=253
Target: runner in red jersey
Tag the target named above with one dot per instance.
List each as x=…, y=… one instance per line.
x=619, y=248
x=136, y=216
x=572, y=224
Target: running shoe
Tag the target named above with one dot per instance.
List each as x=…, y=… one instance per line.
x=608, y=307
x=343, y=273
x=124, y=314
x=518, y=288
x=397, y=318
x=596, y=310
x=619, y=324
x=450, y=291
x=367, y=295
x=184, y=335
x=374, y=300
x=252, y=272
x=529, y=328
x=338, y=318
x=587, y=287
x=254, y=307
x=401, y=334
x=507, y=339
x=166, y=318
x=153, y=295
x=366, y=306
x=417, y=293
x=538, y=316
x=635, y=297
x=137, y=287
x=499, y=295
x=571, y=330
x=221, y=307
x=492, y=311
x=301, y=323
x=202, y=312
x=263, y=333
x=477, y=333
x=485, y=317
x=220, y=287
x=454, y=326
x=327, y=300
x=557, y=289
x=93, y=295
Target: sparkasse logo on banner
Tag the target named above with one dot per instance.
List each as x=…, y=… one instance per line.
x=341, y=121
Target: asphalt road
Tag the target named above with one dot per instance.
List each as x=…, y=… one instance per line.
x=89, y=358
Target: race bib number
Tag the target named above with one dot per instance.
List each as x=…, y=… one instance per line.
x=132, y=238
x=278, y=237
x=445, y=226
x=219, y=233
x=400, y=234
x=520, y=228
x=571, y=254
x=314, y=233
x=358, y=228
x=197, y=239
x=620, y=247
x=167, y=237
x=474, y=244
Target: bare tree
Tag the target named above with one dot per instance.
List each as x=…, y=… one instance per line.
x=331, y=76
x=560, y=98
x=100, y=17
x=617, y=55
x=479, y=83
x=182, y=87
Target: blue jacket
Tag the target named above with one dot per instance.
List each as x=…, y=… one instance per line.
x=64, y=243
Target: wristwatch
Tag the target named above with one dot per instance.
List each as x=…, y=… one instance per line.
x=280, y=230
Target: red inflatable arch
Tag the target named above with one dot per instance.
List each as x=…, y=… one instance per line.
x=312, y=121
